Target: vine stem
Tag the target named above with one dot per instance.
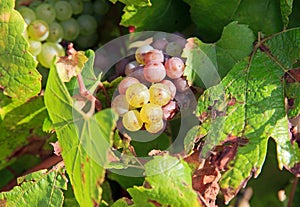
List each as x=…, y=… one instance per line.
x=292, y=194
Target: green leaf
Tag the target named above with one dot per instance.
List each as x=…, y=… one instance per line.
x=285, y=47
x=211, y=16
x=292, y=91
x=161, y=13
x=121, y=203
x=248, y=104
x=84, y=139
x=140, y=3
x=206, y=63
x=22, y=119
x=286, y=7
x=18, y=76
x=40, y=188
x=171, y=184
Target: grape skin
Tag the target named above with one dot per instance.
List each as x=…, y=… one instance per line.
x=120, y=105
x=71, y=29
x=38, y=30
x=56, y=32
x=154, y=55
x=160, y=94
x=137, y=95
x=181, y=84
x=63, y=10
x=132, y=121
x=151, y=113
x=48, y=52
x=154, y=127
x=35, y=47
x=154, y=71
x=173, y=49
x=125, y=83
x=140, y=52
x=171, y=86
x=45, y=12
x=174, y=67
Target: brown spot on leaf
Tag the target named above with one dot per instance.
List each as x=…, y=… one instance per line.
x=232, y=101
x=292, y=75
x=154, y=203
x=82, y=172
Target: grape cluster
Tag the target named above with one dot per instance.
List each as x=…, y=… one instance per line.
x=50, y=22
x=146, y=96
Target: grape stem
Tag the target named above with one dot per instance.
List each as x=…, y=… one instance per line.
x=86, y=94
x=292, y=193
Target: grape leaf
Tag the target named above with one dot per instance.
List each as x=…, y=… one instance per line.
x=84, y=140
x=206, y=63
x=18, y=77
x=23, y=119
x=211, y=16
x=248, y=104
x=286, y=7
x=292, y=92
x=141, y=3
x=170, y=181
x=40, y=188
x=157, y=16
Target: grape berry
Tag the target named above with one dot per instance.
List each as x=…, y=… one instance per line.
x=146, y=96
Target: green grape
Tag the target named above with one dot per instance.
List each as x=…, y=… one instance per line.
x=160, y=94
x=27, y=14
x=77, y=6
x=173, y=49
x=120, y=105
x=38, y=30
x=56, y=32
x=87, y=24
x=101, y=7
x=86, y=41
x=71, y=29
x=35, y=47
x=35, y=4
x=88, y=8
x=151, y=113
x=154, y=127
x=132, y=121
x=141, y=51
x=137, y=95
x=45, y=12
x=48, y=52
x=63, y=10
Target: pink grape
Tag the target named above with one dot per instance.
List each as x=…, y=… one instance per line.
x=125, y=83
x=169, y=110
x=154, y=55
x=171, y=86
x=160, y=44
x=181, y=84
x=154, y=71
x=174, y=67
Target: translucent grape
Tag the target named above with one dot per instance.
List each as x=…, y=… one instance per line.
x=132, y=121
x=101, y=7
x=171, y=86
x=173, y=49
x=45, y=12
x=71, y=29
x=154, y=71
x=56, y=32
x=38, y=30
x=174, y=67
x=141, y=51
x=35, y=47
x=87, y=23
x=151, y=113
x=77, y=6
x=160, y=44
x=137, y=95
x=169, y=110
x=48, y=52
x=86, y=41
x=125, y=83
x=160, y=94
x=181, y=84
x=129, y=68
x=154, y=55
x=154, y=127
x=27, y=14
x=63, y=10
x=88, y=8
x=120, y=105
x=138, y=73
